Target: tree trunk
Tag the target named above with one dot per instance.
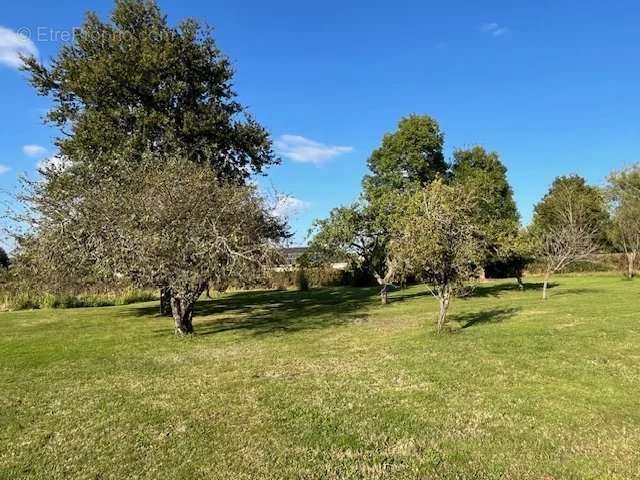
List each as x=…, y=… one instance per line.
x=631, y=259
x=384, y=295
x=182, y=310
x=544, y=286
x=444, y=306
x=519, y=280
x=165, y=302
x=182, y=304
x=482, y=274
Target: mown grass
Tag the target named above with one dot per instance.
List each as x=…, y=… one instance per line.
x=329, y=384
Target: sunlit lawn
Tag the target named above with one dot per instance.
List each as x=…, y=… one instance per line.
x=330, y=384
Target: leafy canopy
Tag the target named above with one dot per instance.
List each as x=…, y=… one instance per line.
x=167, y=222
x=623, y=193
x=570, y=200
x=408, y=158
x=437, y=239
x=137, y=84
x=351, y=233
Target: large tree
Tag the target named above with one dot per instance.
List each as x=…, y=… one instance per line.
x=568, y=224
x=438, y=241
x=484, y=177
x=137, y=84
x=624, y=196
x=409, y=158
x=166, y=222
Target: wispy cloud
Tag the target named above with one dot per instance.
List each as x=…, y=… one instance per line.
x=301, y=149
x=12, y=45
x=34, y=150
x=494, y=29
x=288, y=206
x=4, y=169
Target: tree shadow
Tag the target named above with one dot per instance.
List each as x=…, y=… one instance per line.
x=497, y=289
x=575, y=291
x=494, y=315
x=402, y=295
x=263, y=312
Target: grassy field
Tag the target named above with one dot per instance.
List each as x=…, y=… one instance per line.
x=329, y=384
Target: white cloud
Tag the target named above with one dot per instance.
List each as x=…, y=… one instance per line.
x=4, y=169
x=53, y=163
x=12, y=45
x=34, y=150
x=494, y=29
x=288, y=206
x=301, y=149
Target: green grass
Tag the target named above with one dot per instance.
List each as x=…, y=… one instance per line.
x=329, y=384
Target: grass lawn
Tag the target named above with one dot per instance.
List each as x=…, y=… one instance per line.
x=329, y=384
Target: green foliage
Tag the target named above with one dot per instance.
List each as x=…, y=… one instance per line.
x=135, y=83
x=623, y=193
x=353, y=234
x=408, y=158
x=438, y=241
x=570, y=200
x=165, y=222
x=484, y=177
x=124, y=91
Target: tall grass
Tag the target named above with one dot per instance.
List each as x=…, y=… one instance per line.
x=29, y=300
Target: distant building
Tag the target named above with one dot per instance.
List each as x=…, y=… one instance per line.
x=292, y=254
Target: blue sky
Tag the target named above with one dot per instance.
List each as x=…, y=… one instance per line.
x=552, y=86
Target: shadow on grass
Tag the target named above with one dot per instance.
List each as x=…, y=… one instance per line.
x=263, y=312
x=576, y=291
x=495, y=290
x=494, y=315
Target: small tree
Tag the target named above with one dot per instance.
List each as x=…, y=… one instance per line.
x=624, y=198
x=564, y=245
x=438, y=242
x=353, y=233
x=164, y=223
x=568, y=224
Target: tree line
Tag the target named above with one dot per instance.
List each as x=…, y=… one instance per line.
x=153, y=185
x=421, y=218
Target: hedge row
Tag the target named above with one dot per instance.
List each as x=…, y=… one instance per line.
x=605, y=262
